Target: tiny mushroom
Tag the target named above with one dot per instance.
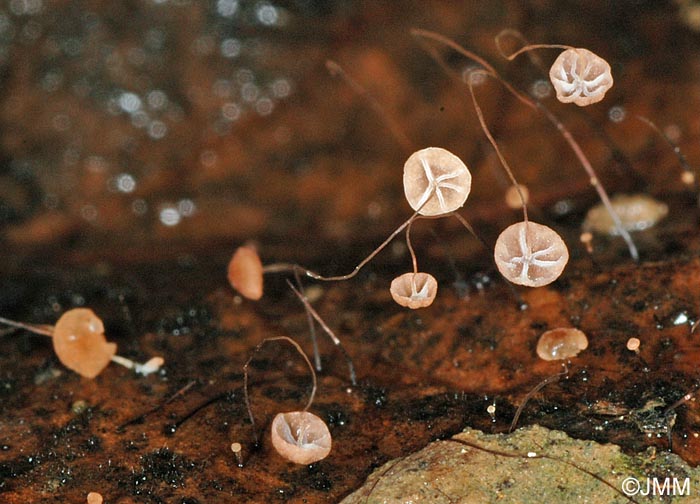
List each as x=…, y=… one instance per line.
x=301, y=437
x=435, y=181
x=580, y=76
x=80, y=344
x=561, y=343
x=414, y=290
x=245, y=272
x=530, y=254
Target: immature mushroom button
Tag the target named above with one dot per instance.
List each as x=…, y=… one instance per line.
x=245, y=272
x=580, y=76
x=414, y=290
x=561, y=343
x=530, y=254
x=435, y=181
x=301, y=437
x=80, y=343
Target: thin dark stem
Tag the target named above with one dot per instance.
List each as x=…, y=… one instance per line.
x=312, y=327
x=492, y=140
x=414, y=261
x=685, y=166
x=45, y=330
x=310, y=309
x=536, y=389
x=337, y=71
x=245, y=375
x=501, y=453
x=563, y=130
x=291, y=268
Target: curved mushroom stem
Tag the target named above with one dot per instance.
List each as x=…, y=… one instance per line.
x=310, y=309
x=414, y=261
x=43, y=329
x=537, y=105
x=245, y=376
x=529, y=47
x=537, y=388
x=688, y=172
x=295, y=268
x=487, y=132
x=152, y=365
x=398, y=133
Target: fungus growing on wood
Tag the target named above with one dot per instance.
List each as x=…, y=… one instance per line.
x=80, y=344
x=300, y=437
x=245, y=272
x=414, y=290
x=561, y=343
x=530, y=254
x=435, y=181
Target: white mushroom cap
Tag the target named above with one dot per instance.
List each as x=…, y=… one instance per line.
x=530, y=254
x=580, y=76
x=414, y=290
x=435, y=181
x=301, y=437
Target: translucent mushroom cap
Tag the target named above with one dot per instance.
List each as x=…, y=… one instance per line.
x=301, y=437
x=530, y=254
x=245, y=272
x=561, y=343
x=414, y=290
x=580, y=76
x=436, y=181
x=80, y=343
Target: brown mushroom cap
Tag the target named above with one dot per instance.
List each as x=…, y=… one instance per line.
x=436, y=181
x=414, y=290
x=245, y=272
x=301, y=437
x=530, y=254
x=80, y=343
x=580, y=76
x=561, y=343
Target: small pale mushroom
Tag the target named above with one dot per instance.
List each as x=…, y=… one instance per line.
x=580, y=76
x=530, y=254
x=94, y=498
x=435, y=181
x=561, y=343
x=80, y=344
x=245, y=272
x=414, y=290
x=301, y=437
x=636, y=212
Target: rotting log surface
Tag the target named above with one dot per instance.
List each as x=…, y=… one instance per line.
x=326, y=160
